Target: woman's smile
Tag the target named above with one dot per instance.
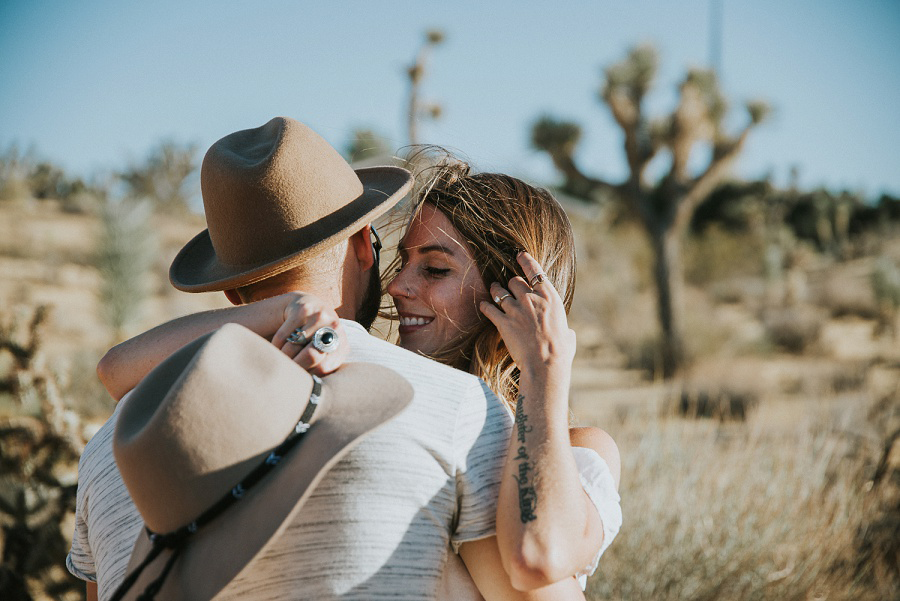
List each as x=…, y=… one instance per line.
x=438, y=287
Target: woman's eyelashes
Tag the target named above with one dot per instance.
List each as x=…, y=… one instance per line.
x=436, y=272
x=428, y=271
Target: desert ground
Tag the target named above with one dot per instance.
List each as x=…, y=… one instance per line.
x=768, y=470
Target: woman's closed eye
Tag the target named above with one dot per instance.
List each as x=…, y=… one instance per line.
x=437, y=272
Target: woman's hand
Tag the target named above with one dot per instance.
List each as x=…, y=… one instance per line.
x=532, y=321
x=304, y=315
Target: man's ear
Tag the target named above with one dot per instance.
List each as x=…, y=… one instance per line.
x=361, y=242
x=234, y=297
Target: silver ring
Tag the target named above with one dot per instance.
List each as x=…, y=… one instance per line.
x=298, y=337
x=537, y=278
x=499, y=299
x=325, y=340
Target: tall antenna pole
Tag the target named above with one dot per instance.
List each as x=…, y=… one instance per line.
x=715, y=37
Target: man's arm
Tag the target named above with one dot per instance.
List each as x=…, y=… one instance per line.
x=274, y=318
x=482, y=559
x=126, y=364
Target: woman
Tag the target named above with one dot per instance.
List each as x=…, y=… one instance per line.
x=467, y=235
x=463, y=239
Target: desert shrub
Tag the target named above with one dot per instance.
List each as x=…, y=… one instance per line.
x=15, y=166
x=877, y=543
x=645, y=354
x=719, y=403
x=166, y=179
x=723, y=511
x=717, y=254
x=844, y=297
x=793, y=329
x=886, y=288
x=745, y=290
x=125, y=253
x=850, y=377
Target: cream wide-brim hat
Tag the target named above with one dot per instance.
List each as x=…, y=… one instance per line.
x=209, y=415
x=274, y=197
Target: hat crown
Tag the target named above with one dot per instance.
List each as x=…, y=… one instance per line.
x=261, y=187
x=204, y=422
x=275, y=197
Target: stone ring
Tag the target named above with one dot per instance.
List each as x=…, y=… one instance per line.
x=537, y=278
x=325, y=340
x=298, y=337
x=499, y=299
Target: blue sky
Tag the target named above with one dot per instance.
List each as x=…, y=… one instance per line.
x=94, y=84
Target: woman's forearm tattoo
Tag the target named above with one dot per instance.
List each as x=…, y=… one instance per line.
x=525, y=479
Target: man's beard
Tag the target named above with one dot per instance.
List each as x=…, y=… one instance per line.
x=371, y=302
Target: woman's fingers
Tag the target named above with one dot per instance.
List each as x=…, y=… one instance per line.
x=519, y=287
x=500, y=295
x=493, y=313
x=534, y=274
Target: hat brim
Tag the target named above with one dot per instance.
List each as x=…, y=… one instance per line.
x=229, y=546
x=196, y=268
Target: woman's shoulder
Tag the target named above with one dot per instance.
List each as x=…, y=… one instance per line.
x=600, y=442
x=593, y=438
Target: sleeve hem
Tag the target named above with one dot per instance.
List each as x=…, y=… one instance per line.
x=456, y=543
x=598, y=483
x=70, y=565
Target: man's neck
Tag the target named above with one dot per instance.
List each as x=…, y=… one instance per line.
x=327, y=292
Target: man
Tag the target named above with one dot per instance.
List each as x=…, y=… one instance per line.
x=286, y=212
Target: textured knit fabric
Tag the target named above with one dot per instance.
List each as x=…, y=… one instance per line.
x=106, y=521
x=598, y=483
x=382, y=524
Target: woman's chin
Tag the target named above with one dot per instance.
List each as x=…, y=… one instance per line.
x=411, y=342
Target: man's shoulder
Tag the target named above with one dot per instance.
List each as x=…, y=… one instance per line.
x=99, y=448
x=97, y=469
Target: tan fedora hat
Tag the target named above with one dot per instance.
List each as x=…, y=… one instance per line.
x=196, y=443
x=275, y=196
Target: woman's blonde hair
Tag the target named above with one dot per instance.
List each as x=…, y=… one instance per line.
x=498, y=215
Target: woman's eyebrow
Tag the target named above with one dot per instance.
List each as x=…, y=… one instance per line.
x=436, y=248
x=429, y=248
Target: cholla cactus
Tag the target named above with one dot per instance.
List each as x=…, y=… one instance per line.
x=38, y=459
x=886, y=287
x=124, y=256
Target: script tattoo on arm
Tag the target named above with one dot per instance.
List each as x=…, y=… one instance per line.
x=525, y=479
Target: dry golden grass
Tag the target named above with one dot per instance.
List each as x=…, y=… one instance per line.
x=768, y=509
x=783, y=505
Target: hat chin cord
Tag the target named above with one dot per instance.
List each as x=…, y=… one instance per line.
x=177, y=540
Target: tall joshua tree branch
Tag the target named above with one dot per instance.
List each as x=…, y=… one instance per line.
x=416, y=72
x=664, y=208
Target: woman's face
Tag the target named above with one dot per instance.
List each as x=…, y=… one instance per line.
x=438, y=287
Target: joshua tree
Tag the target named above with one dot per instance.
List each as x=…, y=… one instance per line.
x=664, y=207
x=416, y=72
x=164, y=178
